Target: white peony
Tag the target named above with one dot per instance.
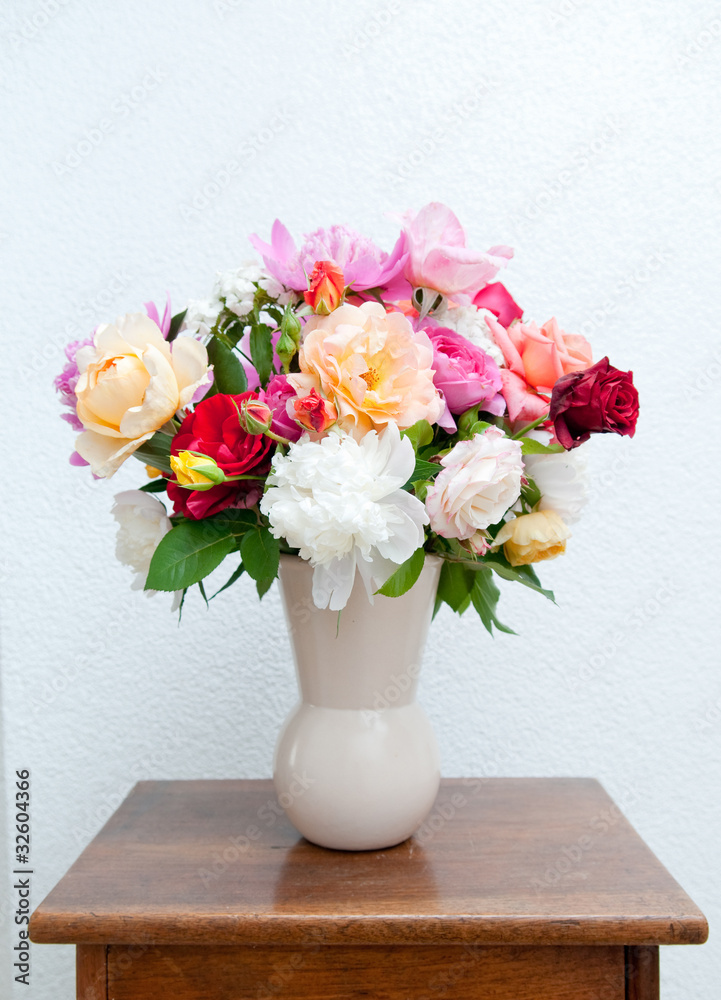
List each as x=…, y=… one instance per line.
x=142, y=523
x=563, y=481
x=339, y=501
x=480, y=480
x=470, y=322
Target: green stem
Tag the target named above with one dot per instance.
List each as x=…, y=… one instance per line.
x=529, y=427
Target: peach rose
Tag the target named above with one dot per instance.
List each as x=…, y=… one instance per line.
x=371, y=365
x=536, y=357
x=533, y=537
x=130, y=384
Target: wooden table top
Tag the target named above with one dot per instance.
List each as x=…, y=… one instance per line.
x=500, y=861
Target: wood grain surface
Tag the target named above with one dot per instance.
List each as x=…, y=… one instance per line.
x=350, y=973
x=499, y=861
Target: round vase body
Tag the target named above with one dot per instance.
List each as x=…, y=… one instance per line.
x=356, y=764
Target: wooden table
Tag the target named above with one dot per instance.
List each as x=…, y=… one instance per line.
x=514, y=889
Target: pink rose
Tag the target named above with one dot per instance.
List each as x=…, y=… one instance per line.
x=536, y=357
x=276, y=394
x=439, y=259
x=464, y=375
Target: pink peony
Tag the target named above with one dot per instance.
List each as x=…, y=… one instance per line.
x=66, y=381
x=364, y=265
x=438, y=258
x=480, y=480
x=536, y=358
x=276, y=394
x=464, y=375
x=163, y=323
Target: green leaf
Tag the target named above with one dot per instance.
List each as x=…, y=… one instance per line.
x=485, y=595
x=175, y=324
x=405, y=576
x=261, y=351
x=263, y=586
x=201, y=588
x=260, y=553
x=155, y=486
x=189, y=552
x=229, y=374
x=229, y=583
x=420, y=434
x=236, y=522
x=520, y=574
x=423, y=470
x=531, y=447
x=156, y=452
x=455, y=586
x=478, y=428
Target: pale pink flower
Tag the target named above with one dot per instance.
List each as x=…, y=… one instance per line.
x=438, y=258
x=371, y=365
x=479, y=482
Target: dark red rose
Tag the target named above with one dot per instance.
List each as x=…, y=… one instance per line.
x=598, y=400
x=213, y=429
x=497, y=299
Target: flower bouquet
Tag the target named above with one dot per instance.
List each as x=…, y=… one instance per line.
x=357, y=408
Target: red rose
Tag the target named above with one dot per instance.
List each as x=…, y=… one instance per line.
x=213, y=429
x=598, y=400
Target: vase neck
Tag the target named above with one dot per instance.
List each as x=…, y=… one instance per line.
x=370, y=658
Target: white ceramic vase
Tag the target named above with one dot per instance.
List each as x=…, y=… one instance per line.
x=356, y=764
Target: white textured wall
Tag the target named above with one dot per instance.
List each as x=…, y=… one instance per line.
x=583, y=133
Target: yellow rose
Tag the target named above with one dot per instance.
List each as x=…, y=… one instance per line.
x=533, y=537
x=198, y=472
x=131, y=383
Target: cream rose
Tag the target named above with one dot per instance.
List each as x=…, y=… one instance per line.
x=533, y=537
x=131, y=383
x=371, y=365
x=480, y=480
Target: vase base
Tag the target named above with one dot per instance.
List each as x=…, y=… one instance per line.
x=371, y=795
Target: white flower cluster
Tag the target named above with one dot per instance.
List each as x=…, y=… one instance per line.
x=470, y=322
x=236, y=289
x=340, y=502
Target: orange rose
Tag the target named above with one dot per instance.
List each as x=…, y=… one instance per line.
x=326, y=288
x=536, y=357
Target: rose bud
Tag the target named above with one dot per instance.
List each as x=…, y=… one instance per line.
x=289, y=342
x=314, y=412
x=255, y=416
x=327, y=285
x=598, y=400
x=194, y=471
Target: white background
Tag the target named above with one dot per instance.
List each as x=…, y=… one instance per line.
x=586, y=135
